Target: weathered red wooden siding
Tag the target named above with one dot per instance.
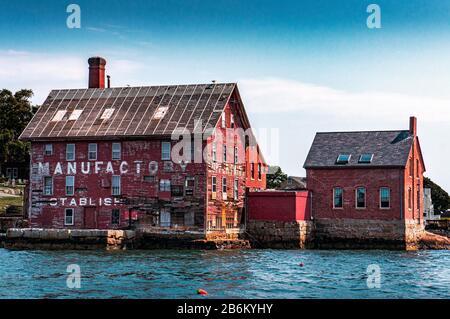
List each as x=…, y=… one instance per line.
x=322, y=181
x=279, y=206
x=97, y=186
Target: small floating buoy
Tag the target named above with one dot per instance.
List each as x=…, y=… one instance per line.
x=301, y=264
x=202, y=292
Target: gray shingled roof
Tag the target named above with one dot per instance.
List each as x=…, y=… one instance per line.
x=134, y=111
x=389, y=148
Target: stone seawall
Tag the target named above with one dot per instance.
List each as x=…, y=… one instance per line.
x=366, y=234
x=276, y=234
x=77, y=239
x=92, y=239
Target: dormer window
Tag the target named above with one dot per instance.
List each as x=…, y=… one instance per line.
x=365, y=158
x=343, y=158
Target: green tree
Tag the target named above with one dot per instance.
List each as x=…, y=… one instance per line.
x=15, y=113
x=275, y=177
x=440, y=198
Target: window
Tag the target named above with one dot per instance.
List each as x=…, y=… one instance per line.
x=343, y=159
x=224, y=153
x=411, y=167
x=252, y=170
x=160, y=112
x=360, y=197
x=213, y=184
x=48, y=150
x=70, y=185
x=107, y=113
x=115, y=185
x=59, y=116
x=164, y=217
x=70, y=152
x=236, y=155
x=236, y=189
x=189, y=186
x=92, y=151
x=418, y=199
x=177, y=190
x=417, y=168
x=224, y=185
x=75, y=115
x=165, y=151
x=385, y=197
x=214, y=152
x=409, y=198
x=149, y=178
x=48, y=185
x=232, y=120
x=68, y=216
x=164, y=185
x=338, y=198
x=116, y=151
x=259, y=171
x=365, y=158
x=115, y=216
x=224, y=123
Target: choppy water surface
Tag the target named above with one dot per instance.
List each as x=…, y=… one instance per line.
x=225, y=274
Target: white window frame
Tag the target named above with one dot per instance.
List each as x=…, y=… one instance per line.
x=72, y=217
x=164, y=185
x=224, y=188
x=365, y=197
x=231, y=120
x=213, y=184
x=214, y=152
x=115, y=151
x=92, y=151
x=70, y=182
x=334, y=198
x=167, y=221
x=224, y=119
x=75, y=115
x=49, y=151
x=224, y=153
x=236, y=155
x=107, y=113
x=236, y=189
x=381, y=189
x=115, y=188
x=59, y=115
x=164, y=155
x=45, y=186
x=67, y=152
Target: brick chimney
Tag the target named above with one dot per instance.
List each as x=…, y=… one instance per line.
x=413, y=125
x=97, y=72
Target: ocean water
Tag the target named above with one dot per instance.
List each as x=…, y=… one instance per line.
x=226, y=274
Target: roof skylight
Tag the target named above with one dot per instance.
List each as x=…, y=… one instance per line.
x=343, y=158
x=75, y=115
x=59, y=115
x=107, y=113
x=160, y=112
x=365, y=158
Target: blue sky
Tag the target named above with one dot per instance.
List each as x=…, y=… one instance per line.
x=302, y=66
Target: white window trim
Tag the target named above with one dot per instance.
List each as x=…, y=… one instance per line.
x=214, y=152
x=51, y=149
x=213, y=183
x=166, y=182
x=67, y=152
x=365, y=197
x=51, y=178
x=73, y=184
x=119, y=151
x=65, y=217
x=163, y=153
x=112, y=185
x=389, y=207
x=224, y=120
x=89, y=151
x=334, y=198
x=236, y=189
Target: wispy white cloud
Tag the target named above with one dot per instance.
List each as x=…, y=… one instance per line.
x=274, y=95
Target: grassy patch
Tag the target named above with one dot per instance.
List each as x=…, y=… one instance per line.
x=8, y=201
